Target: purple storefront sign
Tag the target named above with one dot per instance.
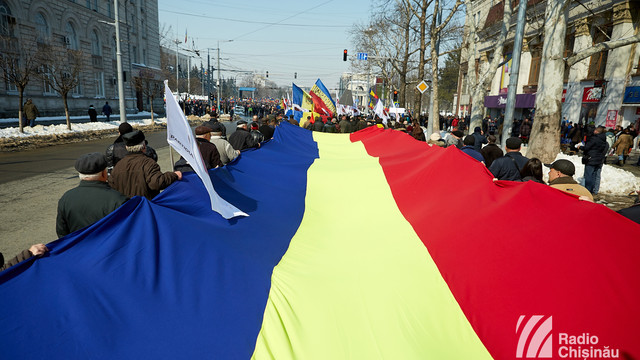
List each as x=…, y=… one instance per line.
x=523, y=101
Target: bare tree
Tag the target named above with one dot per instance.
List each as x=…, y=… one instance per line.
x=60, y=69
x=18, y=67
x=435, y=33
x=149, y=86
x=480, y=70
x=545, y=139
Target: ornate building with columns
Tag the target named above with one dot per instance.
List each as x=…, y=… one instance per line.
x=604, y=88
x=85, y=25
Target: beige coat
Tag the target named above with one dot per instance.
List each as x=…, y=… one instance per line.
x=623, y=144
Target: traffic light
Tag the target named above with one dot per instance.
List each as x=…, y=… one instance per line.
x=344, y=56
x=395, y=95
x=267, y=74
x=295, y=75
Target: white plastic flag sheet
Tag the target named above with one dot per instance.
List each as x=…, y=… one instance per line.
x=379, y=110
x=180, y=137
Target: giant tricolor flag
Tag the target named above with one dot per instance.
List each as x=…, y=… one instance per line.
x=422, y=256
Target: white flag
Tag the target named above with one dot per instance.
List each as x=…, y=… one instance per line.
x=379, y=110
x=181, y=138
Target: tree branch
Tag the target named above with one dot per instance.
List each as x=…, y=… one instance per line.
x=607, y=45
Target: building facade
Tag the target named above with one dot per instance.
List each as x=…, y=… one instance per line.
x=86, y=26
x=604, y=88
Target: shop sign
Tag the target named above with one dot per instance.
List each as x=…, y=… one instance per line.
x=591, y=94
x=631, y=95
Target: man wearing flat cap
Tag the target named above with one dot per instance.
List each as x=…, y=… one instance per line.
x=241, y=139
x=92, y=200
x=225, y=150
x=508, y=167
x=208, y=151
x=561, y=177
x=138, y=175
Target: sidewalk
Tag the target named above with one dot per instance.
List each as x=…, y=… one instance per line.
x=54, y=120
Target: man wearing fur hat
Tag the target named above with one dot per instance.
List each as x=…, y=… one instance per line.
x=138, y=175
x=92, y=200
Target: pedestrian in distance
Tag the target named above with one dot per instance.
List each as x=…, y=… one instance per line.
x=595, y=153
x=92, y=200
x=31, y=113
x=93, y=114
x=491, y=151
x=106, y=110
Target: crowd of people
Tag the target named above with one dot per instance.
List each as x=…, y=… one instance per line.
x=129, y=166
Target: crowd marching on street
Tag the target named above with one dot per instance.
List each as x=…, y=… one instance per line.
x=129, y=167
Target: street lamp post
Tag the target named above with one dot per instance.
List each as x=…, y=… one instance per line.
x=121, y=102
x=218, y=83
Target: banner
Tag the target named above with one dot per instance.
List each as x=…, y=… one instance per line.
x=323, y=95
x=181, y=138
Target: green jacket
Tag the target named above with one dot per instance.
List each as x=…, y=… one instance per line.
x=86, y=204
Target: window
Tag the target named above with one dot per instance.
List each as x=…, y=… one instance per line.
x=71, y=38
x=99, y=82
x=109, y=8
x=7, y=22
x=77, y=91
x=47, y=90
x=144, y=56
x=134, y=25
x=114, y=48
x=89, y=4
x=42, y=28
x=144, y=28
x=534, y=71
x=135, y=54
x=95, y=5
x=598, y=61
x=96, y=48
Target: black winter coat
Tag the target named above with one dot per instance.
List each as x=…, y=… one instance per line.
x=508, y=167
x=242, y=139
x=596, y=149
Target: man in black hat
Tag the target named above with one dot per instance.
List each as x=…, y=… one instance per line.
x=138, y=175
x=241, y=139
x=117, y=151
x=92, y=200
x=508, y=167
x=561, y=177
x=208, y=151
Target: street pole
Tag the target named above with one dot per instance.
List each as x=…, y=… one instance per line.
x=209, y=78
x=177, y=76
x=513, y=75
x=121, y=102
x=218, y=83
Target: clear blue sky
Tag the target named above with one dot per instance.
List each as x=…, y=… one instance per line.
x=282, y=37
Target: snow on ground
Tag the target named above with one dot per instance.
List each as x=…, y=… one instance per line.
x=40, y=130
x=613, y=180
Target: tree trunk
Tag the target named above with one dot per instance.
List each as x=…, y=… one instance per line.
x=545, y=132
x=66, y=110
x=434, y=114
x=20, y=113
x=421, y=62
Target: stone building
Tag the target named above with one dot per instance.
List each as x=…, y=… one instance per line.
x=86, y=26
x=604, y=88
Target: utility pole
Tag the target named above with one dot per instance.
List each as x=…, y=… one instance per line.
x=218, y=83
x=209, y=77
x=513, y=75
x=177, y=41
x=121, y=102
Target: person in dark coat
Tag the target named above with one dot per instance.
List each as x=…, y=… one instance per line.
x=209, y=152
x=525, y=130
x=633, y=212
x=480, y=138
x=318, y=125
x=508, y=166
x=268, y=129
x=241, y=139
x=595, y=150
x=345, y=125
x=106, y=110
x=137, y=174
x=93, y=114
x=30, y=112
x=116, y=151
x=469, y=148
x=491, y=151
x=92, y=200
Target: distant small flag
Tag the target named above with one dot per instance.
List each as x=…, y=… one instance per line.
x=185, y=36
